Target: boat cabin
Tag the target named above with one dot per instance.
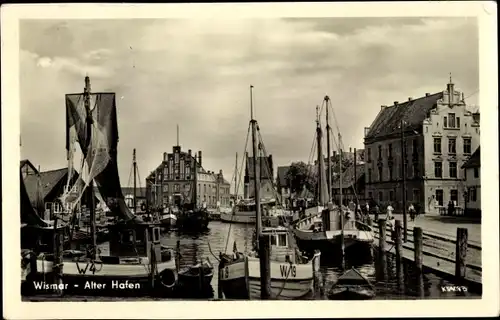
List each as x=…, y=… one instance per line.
x=134, y=240
x=282, y=244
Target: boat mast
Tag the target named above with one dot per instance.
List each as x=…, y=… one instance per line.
x=342, y=244
x=236, y=177
x=329, y=164
x=253, y=123
x=135, y=183
x=319, y=138
x=90, y=190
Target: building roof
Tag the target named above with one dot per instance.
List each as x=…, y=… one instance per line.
x=348, y=176
x=267, y=165
x=48, y=180
x=27, y=162
x=413, y=112
x=282, y=171
x=474, y=160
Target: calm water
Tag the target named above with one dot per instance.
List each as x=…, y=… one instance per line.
x=202, y=245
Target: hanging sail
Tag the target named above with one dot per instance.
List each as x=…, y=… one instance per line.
x=101, y=157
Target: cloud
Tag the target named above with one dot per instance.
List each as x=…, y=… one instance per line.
x=197, y=73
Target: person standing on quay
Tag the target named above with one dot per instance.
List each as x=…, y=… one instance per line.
x=389, y=217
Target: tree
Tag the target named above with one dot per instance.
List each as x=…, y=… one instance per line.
x=299, y=175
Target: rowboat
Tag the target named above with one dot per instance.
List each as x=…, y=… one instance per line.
x=352, y=285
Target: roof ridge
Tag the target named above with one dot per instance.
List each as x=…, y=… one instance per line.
x=53, y=170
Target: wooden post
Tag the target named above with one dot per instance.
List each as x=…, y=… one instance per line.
x=265, y=267
x=417, y=240
x=247, y=274
x=382, y=227
x=201, y=276
x=178, y=255
x=219, y=280
x=399, y=254
x=461, y=253
x=318, y=284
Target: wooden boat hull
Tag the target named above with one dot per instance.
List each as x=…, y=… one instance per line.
x=356, y=242
x=193, y=221
x=288, y=281
x=119, y=279
x=168, y=220
x=240, y=217
x=351, y=293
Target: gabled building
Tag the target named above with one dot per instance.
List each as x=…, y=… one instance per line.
x=473, y=184
x=51, y=186
x=281, y=183
x=175, y=178
x=27, y=168
x=438, y=135
x=353, y=184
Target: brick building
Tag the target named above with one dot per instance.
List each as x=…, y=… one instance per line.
x=175, y=178
x=439, y=136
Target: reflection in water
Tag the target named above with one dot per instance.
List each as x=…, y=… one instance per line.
x=383, y=275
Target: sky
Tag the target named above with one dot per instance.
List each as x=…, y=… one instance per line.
x=196, y=73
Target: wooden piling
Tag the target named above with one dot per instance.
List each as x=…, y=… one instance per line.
x=399, y=254
x=247, y=274
x=318, y=283
x=265, y=267
x=381, y=234
x=219, y=280
x=200, y=278
x=418, y=243
x=178, y=256
x=461, y=253
x=57, y=269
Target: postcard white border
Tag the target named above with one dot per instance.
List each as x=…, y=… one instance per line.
x=15, y=309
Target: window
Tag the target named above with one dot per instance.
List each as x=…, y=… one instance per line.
x=273, y=240
x=282, y=240
x=370, y=195
x=176, y=158
x=379, y=173
x=451, y=120
x=458, y=122
x=188, y=170
x=467, y=146
x=176, y=187
x=438, y=169
x=437, y=145
x=452, y=145
x=454, y=196
x=476, y=172
x=187, y=187
x=445, y=122
x=473, y=194
x=379, y=152
x=415, y=170
x=380, y=198
x=453, y=169
x=165, y=188
x=416, y=195
x=165, y=172
x=414, y=145
x=204, y=188
x=390, y=173
x=439, y=197
x=369, y=155
x=391, y=195
x=369, y=175
x=389, y=151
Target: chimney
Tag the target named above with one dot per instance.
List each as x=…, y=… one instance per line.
x=189, y=152
x=410, y=98
x=427, y=94
x=199, y=157
x=396, y=103
x=383, y=106
x=164, y=156
x=220, y=172
x=350, y=150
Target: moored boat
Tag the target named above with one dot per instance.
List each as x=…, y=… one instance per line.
x=352, y=285
x=197, y=278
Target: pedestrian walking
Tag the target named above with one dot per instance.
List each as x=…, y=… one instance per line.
x=376, y=211
x=411, y=211
x=389, y=217
x=451, y=208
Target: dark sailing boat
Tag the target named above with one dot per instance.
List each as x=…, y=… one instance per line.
x=334, y=228
x=136, y=263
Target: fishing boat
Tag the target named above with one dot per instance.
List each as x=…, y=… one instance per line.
x=291, y=275
x=332, y=229
x=168, y=218
x=244, y=212
x=197, y=277
x=137, y=263
x=352, y=285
